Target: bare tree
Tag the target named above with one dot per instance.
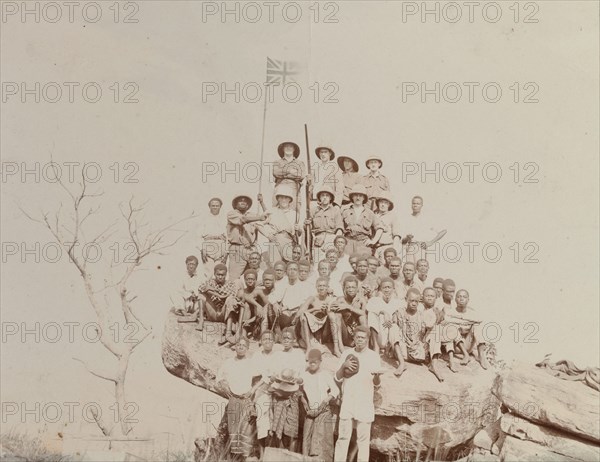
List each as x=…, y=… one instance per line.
x=69, y=230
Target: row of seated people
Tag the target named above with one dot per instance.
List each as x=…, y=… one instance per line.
x=407, y=317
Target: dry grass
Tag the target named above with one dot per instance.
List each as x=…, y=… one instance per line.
x=29, y=448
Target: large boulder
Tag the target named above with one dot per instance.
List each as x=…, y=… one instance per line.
x=550, y=439
x=532, y=393
x=414, y=413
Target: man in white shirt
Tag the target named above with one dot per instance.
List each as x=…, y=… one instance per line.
x=213, y=237
x=185, y=299
x=235, y=380
x=320, y=390
x=359, y=374
x=287, y=298
x=420, y=234
x=409, y=281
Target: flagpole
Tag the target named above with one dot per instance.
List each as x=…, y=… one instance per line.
x=262, y=144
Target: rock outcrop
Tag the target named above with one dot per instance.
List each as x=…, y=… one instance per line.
x=520, y=413
x=414, y=413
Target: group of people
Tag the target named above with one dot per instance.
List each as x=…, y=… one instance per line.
x=351, y=279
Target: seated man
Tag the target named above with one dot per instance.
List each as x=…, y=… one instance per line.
x=279, y=268
x=446, y=301
x=185, y=299
x=464, y=325
x=335, y=273
x=367, y=283
x=384, y=270
x=373, y=265
x=346, y=313
x=214, y=293
x=314, y=313
x=422, y=271
x=382, y=313
x=438, y=284
x=409, y=280
x=254, y=263
x=420, y=340
x=287, y=298
x=244, y=311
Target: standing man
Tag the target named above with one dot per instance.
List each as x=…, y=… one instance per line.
x=359, y=374
x=390, y=239
x=241, y=234
x=419, y=230
x=213, y=246
x=289, y=171
x=328, y=174
x=362, y=227
x=326, y=221
x=376, y=183
x=350, y=176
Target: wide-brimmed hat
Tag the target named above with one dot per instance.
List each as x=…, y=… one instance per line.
x=378, y=159
x=385, y=196
x=326, y=189
x=347, y=372
x=237, y=198
x=215, y=199
x=341, y=160
x=285, y=190
x=359, y=189
x=286, y=381
x=296, y=149
x=325, y=147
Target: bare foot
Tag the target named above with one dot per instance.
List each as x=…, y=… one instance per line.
x=465, y=360
x=434, y=370
x=483, y=362
x=452, y=365
x=337, y=353
x=399, y=370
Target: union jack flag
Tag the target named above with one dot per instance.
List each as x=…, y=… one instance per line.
x=280, y=71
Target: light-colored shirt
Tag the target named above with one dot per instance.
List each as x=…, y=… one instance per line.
x=264, y=364
x=213, y=225
x=375, y=183
x=291, y=296
x=239, y=230
x=238, y=373
x=327, y=219
x=350, y=179
x=292, y=359
x=419, y=226
x=378, y=304
x=360, y=223
x=358, y=391
x=391, y=229
x=318, y=387
x=402, y=287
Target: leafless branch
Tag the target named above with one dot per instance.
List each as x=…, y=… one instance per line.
x=110, y=379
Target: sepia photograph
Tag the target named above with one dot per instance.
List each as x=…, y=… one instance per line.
x=311, y=230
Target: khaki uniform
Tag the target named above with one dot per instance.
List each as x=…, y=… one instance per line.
x=290, y=174
x=358, y=228
x=241, y=235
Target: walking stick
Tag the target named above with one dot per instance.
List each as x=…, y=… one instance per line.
x=308, y=230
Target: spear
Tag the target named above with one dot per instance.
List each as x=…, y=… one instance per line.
x=308, y=232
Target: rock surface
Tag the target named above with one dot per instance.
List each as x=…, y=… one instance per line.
x=413, y=413
x=539, y=397
x=549, y=438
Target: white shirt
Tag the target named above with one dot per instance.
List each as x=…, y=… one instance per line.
x=264, y=364
x=357, y=391
x=318, y=387
x=420, y=227
x=238, y=373
x=213, y=225
x=292, y=359
x=377, y=305
x=291, y=296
